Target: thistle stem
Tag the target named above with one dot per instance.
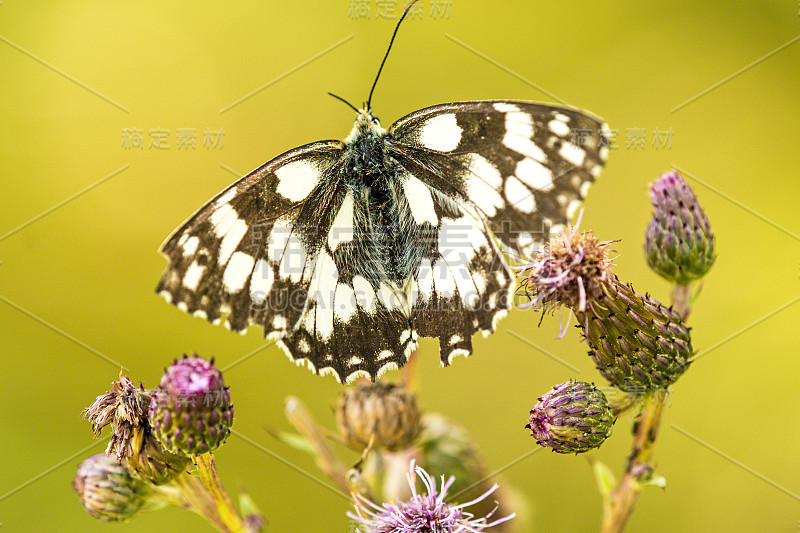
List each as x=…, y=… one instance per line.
x=639, y=468
x=196, y=498
x=408, y=374
x=681, y=300
x=328, y=462
x=226, y=511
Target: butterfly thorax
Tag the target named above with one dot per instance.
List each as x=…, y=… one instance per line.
x=365, y=151
x=371, y=173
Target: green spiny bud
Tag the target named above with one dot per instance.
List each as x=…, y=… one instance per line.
x=107, y=490
x=148, y=460
x=573, y=417
x=132, y=442
x=679, y=243
x=191, y=411
x=637, y=343
x=384, y=413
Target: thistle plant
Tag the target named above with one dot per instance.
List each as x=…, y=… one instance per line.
x=156, y=436
x=132, y=441
x=383, y=423
x=384, y=415
x=639, y=345
x=636, y=343
x=191, y=409
x=679, y=243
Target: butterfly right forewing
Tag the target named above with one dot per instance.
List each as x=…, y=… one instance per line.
x=525, y=166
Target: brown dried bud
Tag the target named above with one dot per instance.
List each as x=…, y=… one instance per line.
x=385, y=412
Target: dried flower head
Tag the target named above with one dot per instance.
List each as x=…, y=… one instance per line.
x=107, y=490
x=570, y=270
x=191, y=411
x=132, y=442
x=384, y=413
x=423, y=512
x=125, y=408
x=573, y=417
x=679, y=243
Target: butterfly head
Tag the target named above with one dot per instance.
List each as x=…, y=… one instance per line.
x=366, y=123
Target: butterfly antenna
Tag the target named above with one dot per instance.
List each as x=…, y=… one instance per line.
x=405, y=12
x=345, y=101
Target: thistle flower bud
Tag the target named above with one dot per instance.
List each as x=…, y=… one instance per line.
x=107, y=490
x=637, y=343
x=573, y=417
x=191, y=411
x=446, y=447
x=679, y=243
x=385, y=413
x=132, y=442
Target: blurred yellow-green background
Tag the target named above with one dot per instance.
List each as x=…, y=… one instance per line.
x=76, y=285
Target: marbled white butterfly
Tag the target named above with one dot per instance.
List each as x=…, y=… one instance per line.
x=347, y=252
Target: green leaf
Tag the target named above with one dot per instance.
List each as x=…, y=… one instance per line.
x=655, y=481
x=296, y=441
x=247, y=505
x=604, y=478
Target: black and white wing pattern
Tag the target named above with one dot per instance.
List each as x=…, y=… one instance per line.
x=525, y=166
x=250, y=252
x=515, y=170
x=348, y=252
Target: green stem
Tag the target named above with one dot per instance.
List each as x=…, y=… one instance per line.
x=681, y=301
x=328, y=462
x=208, y=475
x=196, y=498
x=639, y=468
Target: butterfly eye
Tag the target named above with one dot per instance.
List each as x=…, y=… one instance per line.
x=375, y=120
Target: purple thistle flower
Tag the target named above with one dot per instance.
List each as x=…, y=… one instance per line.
x=191, y=411
x=423, y=512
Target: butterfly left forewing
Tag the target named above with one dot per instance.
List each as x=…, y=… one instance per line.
x=249, y=252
